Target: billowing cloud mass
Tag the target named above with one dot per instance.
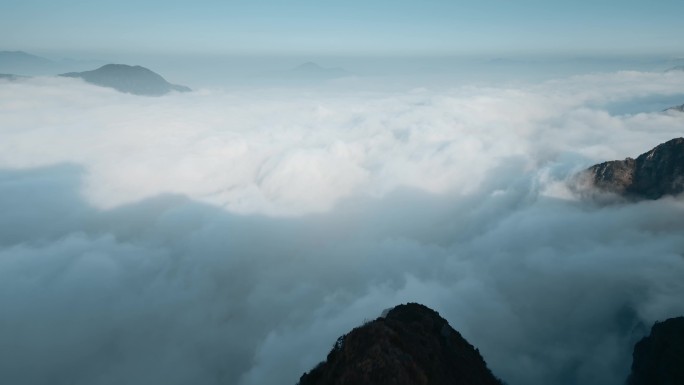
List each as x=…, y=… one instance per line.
x=230, y=236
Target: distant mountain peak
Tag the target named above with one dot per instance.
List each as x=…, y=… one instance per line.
x=676, y=108
x=135, y=80
x=22, y=63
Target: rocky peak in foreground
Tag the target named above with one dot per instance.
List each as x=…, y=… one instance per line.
x=410, y=345
x=659, y=358
x=135, y=80
x=654, y=174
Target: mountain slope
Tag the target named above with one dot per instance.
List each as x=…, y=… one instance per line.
x=676, y=108
x=410, y=345
x=135, y=80
x=18, y=62
x=652, y=175
x=659, y=358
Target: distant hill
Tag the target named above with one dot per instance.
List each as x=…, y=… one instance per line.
x=651, y=175
x=676, y=108
x=675, y=69
x=409, y=345
x=135, y=80
x=22, y=63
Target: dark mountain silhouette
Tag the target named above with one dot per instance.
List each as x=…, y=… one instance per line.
x=652, y=175
x=676, y=108
x=135, y=80
x=410, y=345
x=659, y=358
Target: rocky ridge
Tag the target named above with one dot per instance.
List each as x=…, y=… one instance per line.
x=651, y=175
x=410, y=345
x=658, y=359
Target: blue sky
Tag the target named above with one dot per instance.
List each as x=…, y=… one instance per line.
x=344, y=27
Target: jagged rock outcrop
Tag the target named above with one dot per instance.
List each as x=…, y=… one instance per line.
x=652, y=175
x=410, y=345
x=135, y=80
x=659, y=358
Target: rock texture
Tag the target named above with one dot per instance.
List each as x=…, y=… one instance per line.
x=659, y=358
x=410, y=345
x=652, y=175
x=135, y=80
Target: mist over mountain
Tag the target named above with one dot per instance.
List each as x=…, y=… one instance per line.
x=676, y=108
x=26, y=64
x=135, y=80
x=411, y=344
x=676, y=68
x=10, y=77
x=336, y=158
x=22, y=63
x=231, y=235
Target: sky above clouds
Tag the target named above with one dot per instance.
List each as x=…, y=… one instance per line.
x=434, y=27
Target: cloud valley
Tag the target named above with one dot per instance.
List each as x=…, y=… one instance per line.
x=230, y=236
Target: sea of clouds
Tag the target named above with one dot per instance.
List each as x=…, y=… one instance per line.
x=229, y=236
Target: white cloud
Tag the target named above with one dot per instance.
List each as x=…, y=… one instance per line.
x=308, y=212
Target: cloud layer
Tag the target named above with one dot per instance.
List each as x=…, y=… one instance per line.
x=229, y=237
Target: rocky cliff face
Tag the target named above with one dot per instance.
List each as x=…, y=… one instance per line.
x=652, y=175
x=410, y=345
x=659, y=358
x=135, y=80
